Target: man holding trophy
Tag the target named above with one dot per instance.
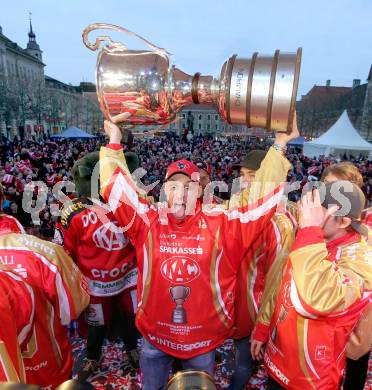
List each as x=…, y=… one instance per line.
x=188, y=254
x=180, y=244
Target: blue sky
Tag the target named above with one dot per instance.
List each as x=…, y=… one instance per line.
x=336, y=35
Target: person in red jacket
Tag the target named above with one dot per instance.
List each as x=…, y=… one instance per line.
x=60, y=296
x=327, y=284
x=17, y=253
x=17, y=308
x=187, y=255
x=104, y=254
x=356, y=370
x=272, y=246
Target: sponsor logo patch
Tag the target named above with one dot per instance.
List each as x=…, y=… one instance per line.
x=110, y=237
x=180, y=269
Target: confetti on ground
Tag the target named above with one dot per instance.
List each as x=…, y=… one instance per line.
x=116, y=372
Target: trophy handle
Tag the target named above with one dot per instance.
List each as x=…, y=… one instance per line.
x=110, y=44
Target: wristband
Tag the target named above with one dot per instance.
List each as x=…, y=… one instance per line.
x=280, y=148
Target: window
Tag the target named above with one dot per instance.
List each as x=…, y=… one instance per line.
x=199, y=126
x=183, y=116
x=216, y=127
x=208, y=127
x=200, y=117
x=216, y=117
x=209, y=117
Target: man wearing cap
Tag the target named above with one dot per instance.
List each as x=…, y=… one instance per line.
x=248, y=166
x=187, y=255
x=107, y=259
x=326, y=285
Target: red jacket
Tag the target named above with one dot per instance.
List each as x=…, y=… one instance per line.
x=99, y=247
x=17, y=307
x=60, y=297
x=187, y=270
x=324, y=290
x=255, y=270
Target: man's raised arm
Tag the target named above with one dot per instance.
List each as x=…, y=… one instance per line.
x=130, y=207
x=258, y=203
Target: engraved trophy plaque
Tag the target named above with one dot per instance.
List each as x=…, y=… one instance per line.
x=140, y=87
x=179, y=295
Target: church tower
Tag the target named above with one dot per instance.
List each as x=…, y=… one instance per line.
x=32, y=47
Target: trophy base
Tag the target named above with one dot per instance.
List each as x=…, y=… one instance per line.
x=179, y=316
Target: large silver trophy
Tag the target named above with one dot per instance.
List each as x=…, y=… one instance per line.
x=137, y=87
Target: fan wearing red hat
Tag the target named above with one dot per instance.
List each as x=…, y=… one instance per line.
x=181, y=176
x=187, y=255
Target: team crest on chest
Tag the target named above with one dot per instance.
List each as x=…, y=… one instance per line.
x=180, y=269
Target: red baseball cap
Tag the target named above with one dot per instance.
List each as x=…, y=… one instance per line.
x=183, y=166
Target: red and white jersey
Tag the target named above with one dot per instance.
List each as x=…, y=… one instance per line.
x=187, y=269
x=99, y=247
x=325, y=288
x=9, y=224
x=17, y=308
x=269, y=247
x=60, y=296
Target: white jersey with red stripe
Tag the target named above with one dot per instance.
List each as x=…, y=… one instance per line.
x=60, y=296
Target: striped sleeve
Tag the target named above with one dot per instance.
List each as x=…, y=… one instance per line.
x=320, y=287
x=130, y=207
x=283, y=233
x=17, y=314
x=65, y=285
x=248, y=214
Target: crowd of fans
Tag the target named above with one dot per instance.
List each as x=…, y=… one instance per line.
x=22, y=162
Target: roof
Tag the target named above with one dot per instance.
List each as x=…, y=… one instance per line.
x=342, y=135
x=15, y=47
x=323, y=94
x=54, y=83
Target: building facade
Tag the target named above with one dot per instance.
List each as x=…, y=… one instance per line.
x=21, y=78
x=320, y=108
x=34, y=105
x=202, y=119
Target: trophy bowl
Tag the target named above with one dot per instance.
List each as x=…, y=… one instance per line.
x=140, y=87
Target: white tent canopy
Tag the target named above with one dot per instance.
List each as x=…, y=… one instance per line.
x=339, y=139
